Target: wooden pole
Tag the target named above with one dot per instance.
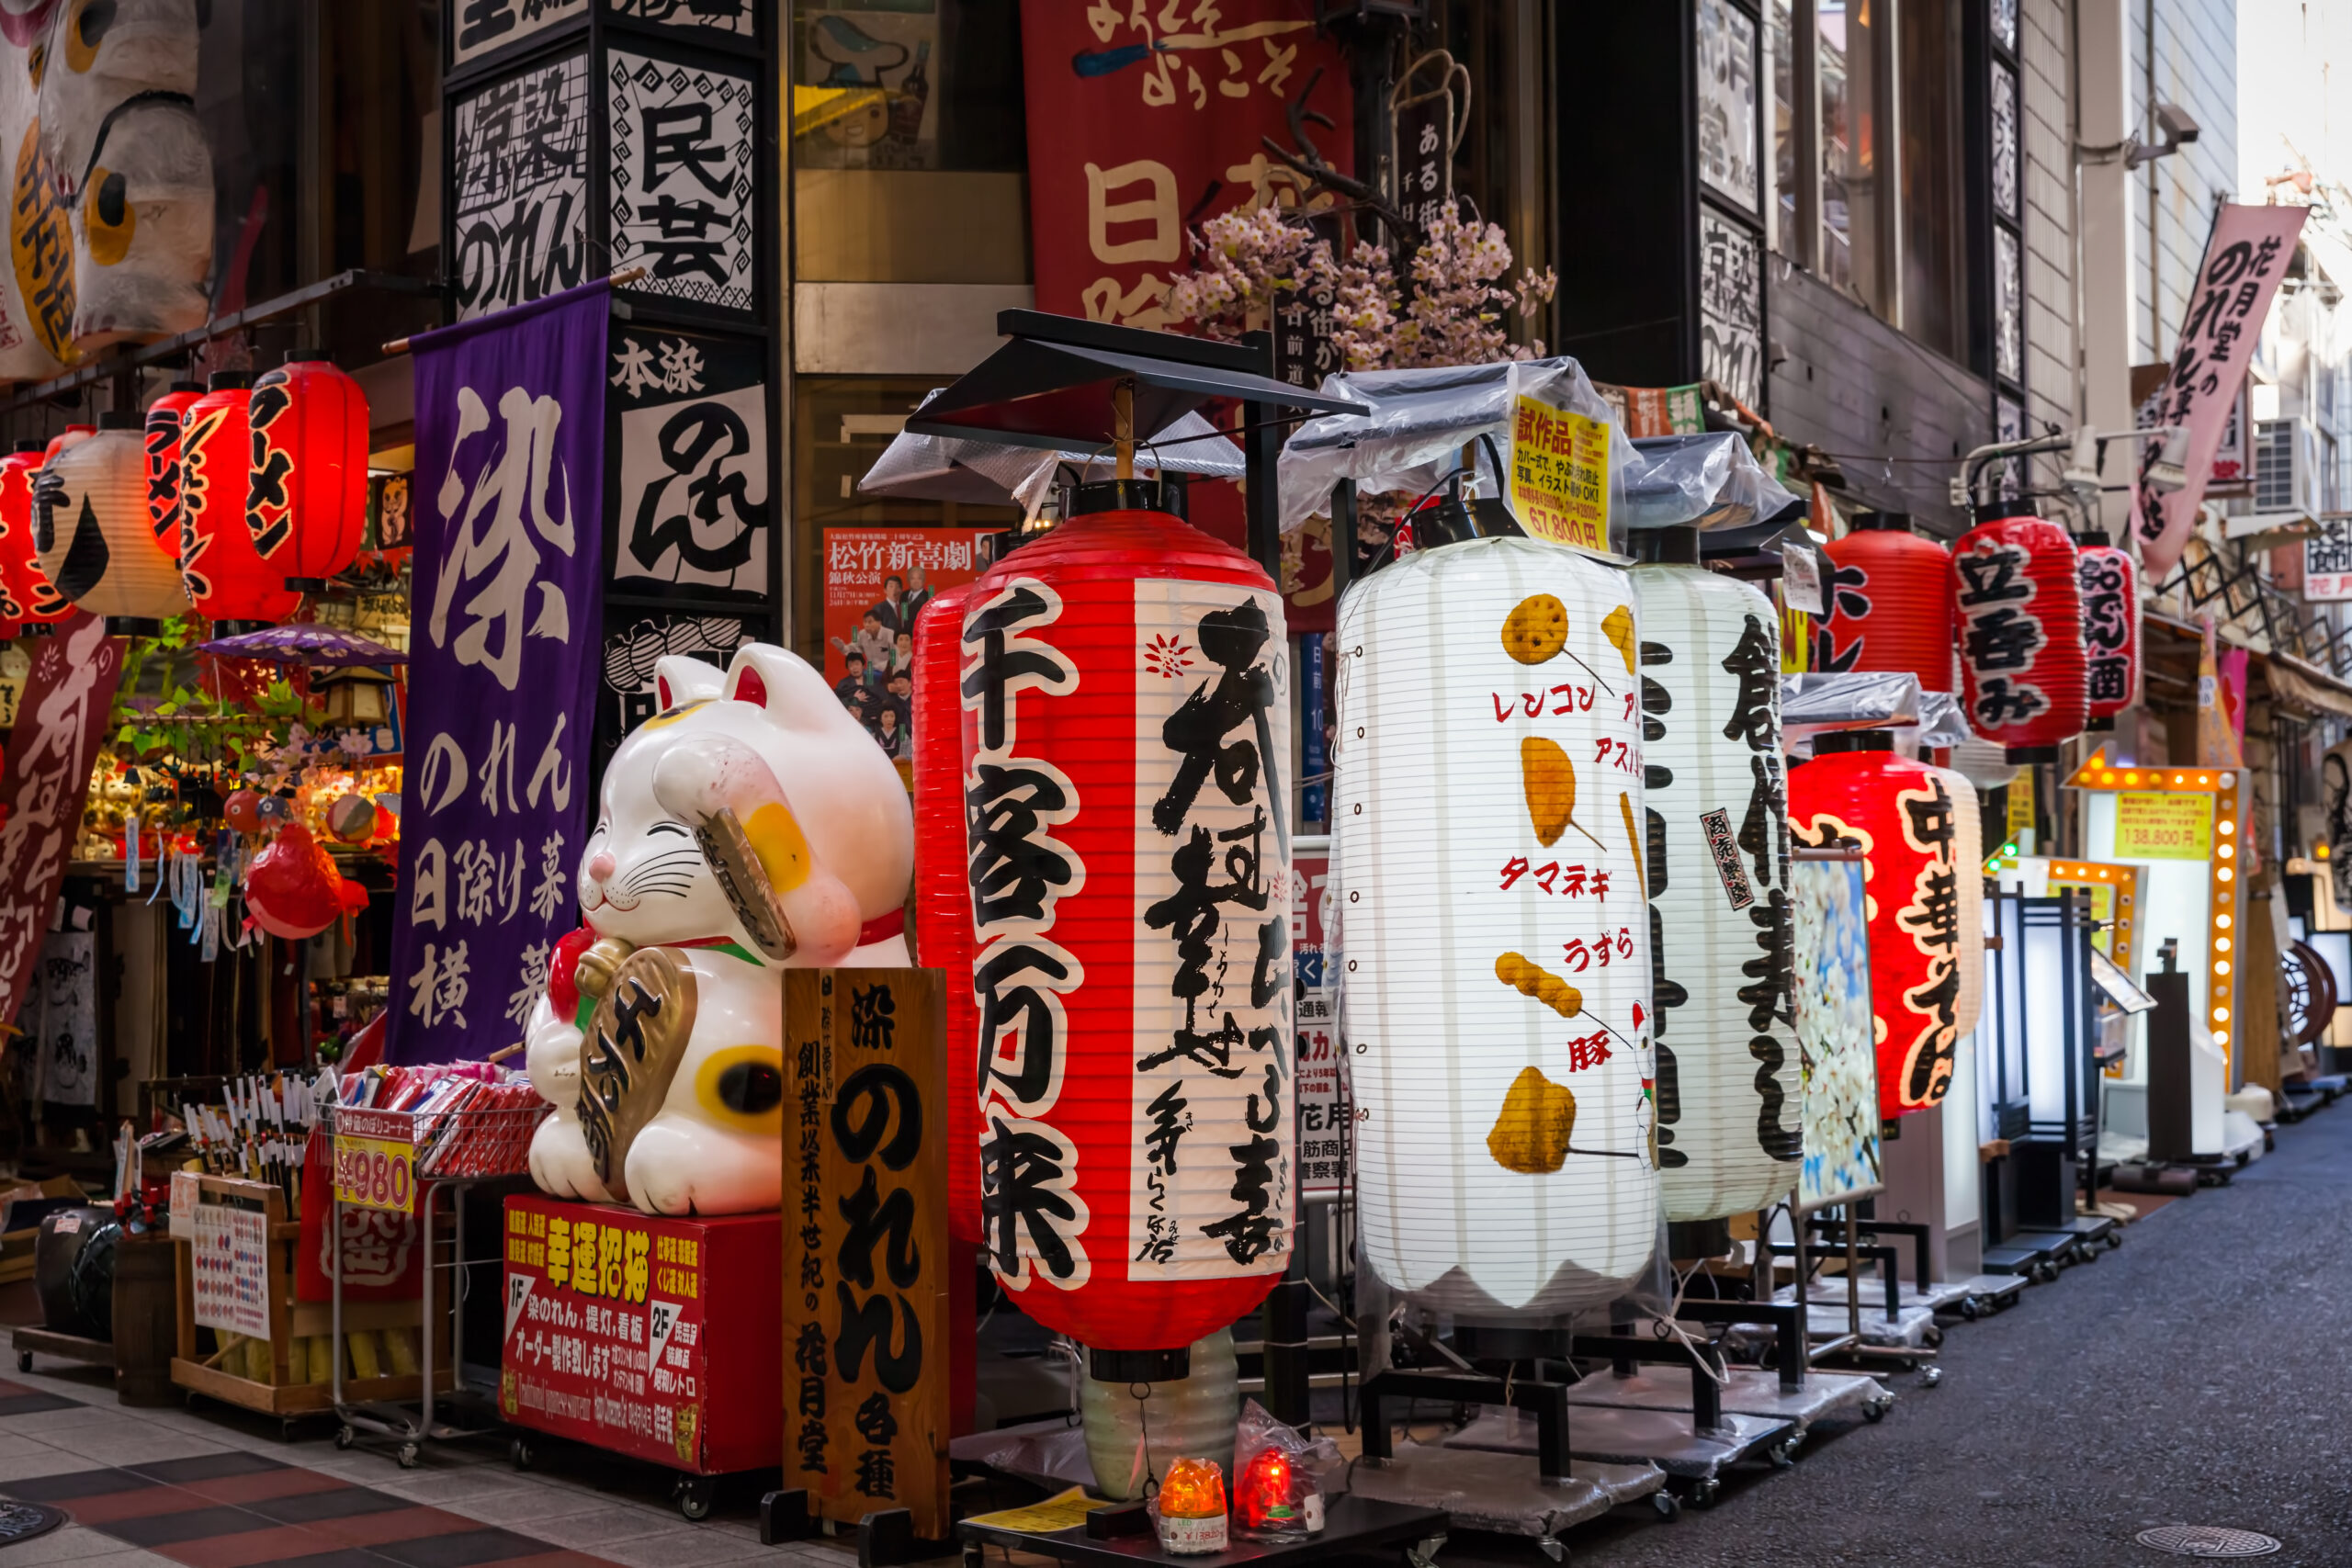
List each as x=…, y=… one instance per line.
x=1122, y=427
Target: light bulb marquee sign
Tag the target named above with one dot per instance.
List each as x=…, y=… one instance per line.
x=2180, y=814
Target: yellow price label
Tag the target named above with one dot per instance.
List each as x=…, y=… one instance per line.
x=2164, y=826
x=1559, y=474
x=375, y=1161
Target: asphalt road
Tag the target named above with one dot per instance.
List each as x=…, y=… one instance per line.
x=2199, y=1375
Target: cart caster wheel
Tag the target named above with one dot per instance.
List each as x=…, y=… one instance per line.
x=408, y=1456
x=694, y=1496
x=1970, y=1308
x=1932, y=1337
x=1668, y=1506
x=345, y=1437
x=523, y=1454
x=2114, y=1240
x=1874, y=1410
x=1553, y=1547
x=24, y=1361
x=1930, y=1377
x=1782, y=1455
x=2046, y=1273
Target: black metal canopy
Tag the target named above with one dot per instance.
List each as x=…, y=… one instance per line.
x=1053, y=385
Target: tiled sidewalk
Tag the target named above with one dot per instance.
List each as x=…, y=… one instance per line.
x=217, y=1488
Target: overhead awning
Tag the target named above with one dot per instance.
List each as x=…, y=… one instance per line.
x=992, y=473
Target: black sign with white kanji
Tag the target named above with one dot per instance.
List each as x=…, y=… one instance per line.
x=681, y=178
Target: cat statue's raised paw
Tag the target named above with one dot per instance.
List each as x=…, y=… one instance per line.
x=750, y=826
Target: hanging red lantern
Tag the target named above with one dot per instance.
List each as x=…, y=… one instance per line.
x=2017, y=610
x=2111, y=589
x=1890, y=603
x=227, y=580
x=942, y=891
x=165, y=417
x=306, y=505
x=72, y=435
x=1920, y=839
x=28, y=598
x=1126, y=737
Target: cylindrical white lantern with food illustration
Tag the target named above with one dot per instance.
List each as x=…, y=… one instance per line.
x=1496, y=978
x=1730, y=1085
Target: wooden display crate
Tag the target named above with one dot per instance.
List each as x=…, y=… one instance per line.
x=289, y=1320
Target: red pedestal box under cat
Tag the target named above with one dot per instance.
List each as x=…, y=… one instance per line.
x=654, y=1338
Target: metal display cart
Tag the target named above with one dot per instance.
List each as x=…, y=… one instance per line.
x=432, y=1156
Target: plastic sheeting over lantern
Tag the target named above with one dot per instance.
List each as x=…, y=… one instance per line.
x=943, y=886
x=1487, y=847
x=91, y=523
x=226, y=577
x=2109, y=584
x=1730, y=1080
x=1922, y=848
x=1125, y=713
x=306, y=507
x=2019, y=612
x=1890, y=603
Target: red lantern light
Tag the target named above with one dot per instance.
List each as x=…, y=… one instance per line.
x=2111, y=589
x=943, y=890
x=227, y=579
x=1124, y=736
x=1890, y=603
x=72, y=435
x=306, y=506
x=2018, y=613
x=165, y=416
x=1919, y=836
x=27, y=595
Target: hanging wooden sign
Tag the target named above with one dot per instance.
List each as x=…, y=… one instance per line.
x=867, y=1334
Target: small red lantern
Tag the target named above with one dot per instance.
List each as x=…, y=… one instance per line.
x=306, y=505
x=72, y=435
x=1125, y=738
x=1919, y=835
x=1890, y=603
x=165, y=416
x=226, y=579
x=2019, y=612
x=27, y=595
x=943, y=890
x=2111, y=589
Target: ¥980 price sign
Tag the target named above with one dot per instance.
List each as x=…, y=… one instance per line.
x=375, y=1159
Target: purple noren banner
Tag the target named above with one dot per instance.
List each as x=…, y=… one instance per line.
x=505, y=618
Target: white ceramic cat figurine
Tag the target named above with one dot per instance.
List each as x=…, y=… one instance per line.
x=769, y=750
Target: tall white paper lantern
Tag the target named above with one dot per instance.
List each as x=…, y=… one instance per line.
x=1496, y=981
x=1730, y=1082
x=91, y=528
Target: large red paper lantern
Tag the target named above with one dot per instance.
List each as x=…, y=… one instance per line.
x=1890, y=603
x=943, y=889
x=165, y=417
x=1919, y=835
x=1125, y=741
x=306, y=506
x=28, y=598
x=227, y=579
x=2110, y=591
x=2017, y=610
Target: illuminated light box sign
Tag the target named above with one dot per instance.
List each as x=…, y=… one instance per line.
x=2164, y=826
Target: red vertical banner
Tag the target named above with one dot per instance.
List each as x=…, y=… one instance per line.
x=1144, y=120
x=61, y=719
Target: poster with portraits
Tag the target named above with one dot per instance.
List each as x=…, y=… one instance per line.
x=876, y=582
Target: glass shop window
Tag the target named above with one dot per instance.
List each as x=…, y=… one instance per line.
x=908, y=144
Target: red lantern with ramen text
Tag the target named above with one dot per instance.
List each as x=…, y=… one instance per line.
x=165, y=417
x=2019, y=612
x=28, y=598
x=1890, y=603
x=2110, y=588
x=943, y=890
x=306, y=506
x=1125, y=747
x=1919, y=836
x=227, y=580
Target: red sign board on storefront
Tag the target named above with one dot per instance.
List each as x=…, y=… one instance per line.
x=647, y=1336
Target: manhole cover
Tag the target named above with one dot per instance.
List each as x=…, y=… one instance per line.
x=2207, y=1540
x=22, y=1521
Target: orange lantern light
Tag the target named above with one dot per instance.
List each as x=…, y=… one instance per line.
x=227, y=580
x=306, y=502
x=28, y=598
x=165, y=418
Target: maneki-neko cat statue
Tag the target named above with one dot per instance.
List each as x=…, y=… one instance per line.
x=750, y=827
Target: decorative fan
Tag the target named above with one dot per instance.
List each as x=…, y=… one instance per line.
x=2310, y=994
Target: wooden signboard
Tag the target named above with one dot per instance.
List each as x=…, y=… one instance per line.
x=866, y=1265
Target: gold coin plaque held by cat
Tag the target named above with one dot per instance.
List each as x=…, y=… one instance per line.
x=636, y=1040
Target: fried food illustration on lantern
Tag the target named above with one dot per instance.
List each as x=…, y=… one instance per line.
x=749, y=827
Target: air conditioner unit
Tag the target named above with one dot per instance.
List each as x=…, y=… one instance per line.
x=2286, y=467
